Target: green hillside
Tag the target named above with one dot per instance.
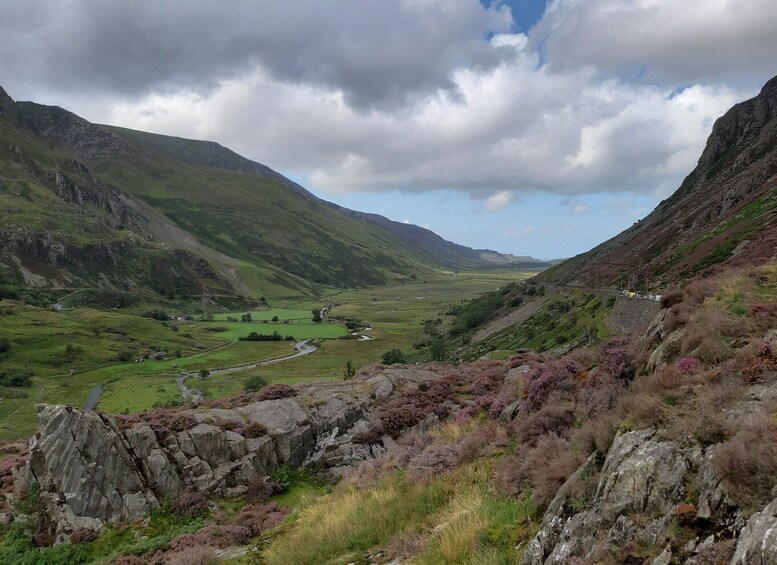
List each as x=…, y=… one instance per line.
x=132, y=214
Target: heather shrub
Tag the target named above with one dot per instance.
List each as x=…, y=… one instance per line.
x=195, y=555
x=189, y=503
x=370, y=436
x=254, y=430
x=688, y=365
x=260, y=517
x=616, y=360
x=398, y=417
x=543, y=469
x=163, y=422
x=436, y=458
x=716, y=554
x=595, y=434
x=599, y=395
x=553, y=417
x=229, y=425
x=756, y=359
x=262, y=488
x=214, y=535
x=677, y=317
x=559, y=377
x=747, y=464
x=7, y=466
x=642, y=409
x=83, y=535
x=276, y=391
x=763, y=316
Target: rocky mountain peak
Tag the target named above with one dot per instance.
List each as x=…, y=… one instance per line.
x=5, y=100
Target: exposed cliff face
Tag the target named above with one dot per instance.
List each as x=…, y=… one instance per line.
x=641, y=483
x=725, y=211
x=92, y=470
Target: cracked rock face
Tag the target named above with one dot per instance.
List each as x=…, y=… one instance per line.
x=86, y=470
x=642, y=476
x=757, y=543
x=91, y=471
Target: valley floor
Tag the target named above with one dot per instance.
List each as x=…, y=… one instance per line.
x=75, y=353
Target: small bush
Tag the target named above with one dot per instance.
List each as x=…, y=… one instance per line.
x=543, y=469
x=371, y=436
x=748, y=464
x=195, y=555
x=188, y=504
x=688, y=365
x=393, y=357
x=276, y=391
x=435, y=459
x=16, y=378
x=259, y=490
x=254, y=430
x=83, y=535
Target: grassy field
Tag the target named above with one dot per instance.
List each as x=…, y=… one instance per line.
x=69, y=353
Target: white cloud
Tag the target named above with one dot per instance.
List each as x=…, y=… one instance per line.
x=497, y=201
x=419, y=94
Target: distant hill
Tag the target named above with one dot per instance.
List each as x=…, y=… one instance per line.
x=87, y=205
x=724, y=213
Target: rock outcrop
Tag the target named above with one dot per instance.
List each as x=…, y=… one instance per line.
x=757, y=543
x=93, y=469
x=641, y=493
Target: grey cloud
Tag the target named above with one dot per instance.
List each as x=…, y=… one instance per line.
x=665, y=41
x=380, y=54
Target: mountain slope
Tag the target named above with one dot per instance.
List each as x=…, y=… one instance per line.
x=725, y=211
x=99, y=198
x=421, y=240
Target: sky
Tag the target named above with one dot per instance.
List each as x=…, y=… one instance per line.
x=530, y=127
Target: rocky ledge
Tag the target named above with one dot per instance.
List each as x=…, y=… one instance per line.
x=94, y=468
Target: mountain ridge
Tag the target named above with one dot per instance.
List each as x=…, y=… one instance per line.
x=193, y=214
x=723, y=213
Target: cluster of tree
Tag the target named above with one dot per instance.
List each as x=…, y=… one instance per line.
x=246, y=317
x=254, y=383
x=15, y=378
x=393, y=357
x=275, y=336
x=317, y=315
x=157, y=315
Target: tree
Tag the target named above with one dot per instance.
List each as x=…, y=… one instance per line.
x=439, y=349
x=246, y=317
x=393, y=356
x=350, y=371
x=204, y=373
x=317, y=315
x=254, y=383
x=275, y=319
x=5, y=345
x=209, y=317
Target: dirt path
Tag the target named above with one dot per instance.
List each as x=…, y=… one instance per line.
x=302, y=348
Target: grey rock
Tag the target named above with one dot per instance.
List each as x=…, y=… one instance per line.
x=642, y=475
x=105, y=474
x=757, y=544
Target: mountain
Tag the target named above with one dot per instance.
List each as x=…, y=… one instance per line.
x=724, y=213
x=87, y=205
